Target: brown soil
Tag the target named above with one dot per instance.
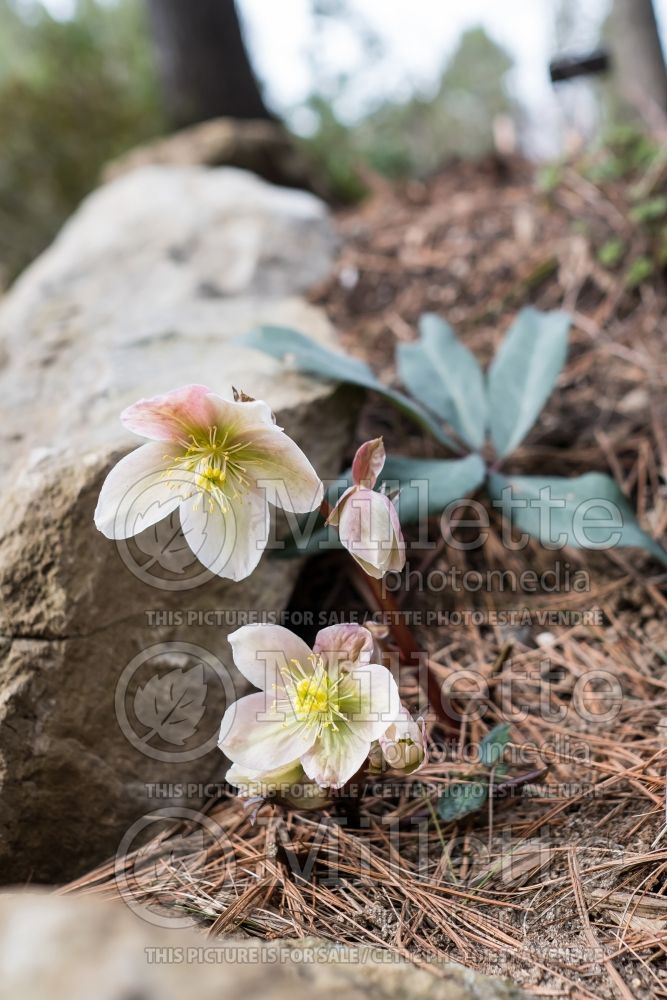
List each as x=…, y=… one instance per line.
x=562, y=883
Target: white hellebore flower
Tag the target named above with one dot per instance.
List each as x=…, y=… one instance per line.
x=220, y=462
x=321, y=708
x=367, y=521
x=403, y=744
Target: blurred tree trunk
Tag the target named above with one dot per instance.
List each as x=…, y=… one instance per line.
x=639, y=64
x=203, y=63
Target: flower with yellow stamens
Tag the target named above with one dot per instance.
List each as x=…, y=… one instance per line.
x=321, y=709
x=220, y=462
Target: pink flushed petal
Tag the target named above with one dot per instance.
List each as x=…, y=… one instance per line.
x=365, y=525
x=368, y=463
x=369, y=529
x=340, y=644
x=261, y=653
x=173, y=416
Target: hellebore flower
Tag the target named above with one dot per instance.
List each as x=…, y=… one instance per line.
x=220, y=462
x=403, y=744
x=321, y=708
x=367, y=521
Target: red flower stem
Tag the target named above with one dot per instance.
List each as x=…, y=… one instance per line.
x=409, y=650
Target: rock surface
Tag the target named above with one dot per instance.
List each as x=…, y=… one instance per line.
x=74, y=948
x=142, y=291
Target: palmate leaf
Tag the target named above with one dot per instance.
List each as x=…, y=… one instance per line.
x=427, y=486
x=446, y=377
x=523, y=373
x=586, y=512
x=460, y=798
x=306, y=356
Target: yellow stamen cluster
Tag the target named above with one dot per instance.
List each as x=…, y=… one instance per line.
x=213, y=463
x=313, y=694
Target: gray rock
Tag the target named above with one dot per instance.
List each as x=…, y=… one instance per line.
x=74, y=948
x=142, y=291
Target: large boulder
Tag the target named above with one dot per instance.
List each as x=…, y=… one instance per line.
x=73, y=948
x=113, y=678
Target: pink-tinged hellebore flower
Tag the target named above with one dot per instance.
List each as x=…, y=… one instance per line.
x=403, y=744
x=321, y=708
x=367, y=521
x=220, y=462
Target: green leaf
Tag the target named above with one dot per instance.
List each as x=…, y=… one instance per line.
x=523, y=373
x=306, y=356
x=493, y=744
x=462, y=797
x=587, y=512
x=640, y=269
x=647, y=211
x=611, y=253
x=446, y=377
x=428, y=485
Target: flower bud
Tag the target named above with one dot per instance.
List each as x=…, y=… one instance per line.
x=403, y=745
x=367, y=521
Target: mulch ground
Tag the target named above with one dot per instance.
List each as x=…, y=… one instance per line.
x=561, y=881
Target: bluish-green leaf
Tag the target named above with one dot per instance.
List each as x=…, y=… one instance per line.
x=428, y=485
x=587, y=512
x=306, y=356
x=493, y=744
x=446, y=377
x=523, y=374
x=462, y=797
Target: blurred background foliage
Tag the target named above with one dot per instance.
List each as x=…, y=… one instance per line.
x=79, y=90
x=415, y=136
x=75, y=93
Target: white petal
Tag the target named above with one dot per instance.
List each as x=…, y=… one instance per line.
x=282, y=470
x=240, y=418
x=230, y=543
x=336, y=756
x=138, y=492
x=372, y=701
x=253, y=735
x=261, y=652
